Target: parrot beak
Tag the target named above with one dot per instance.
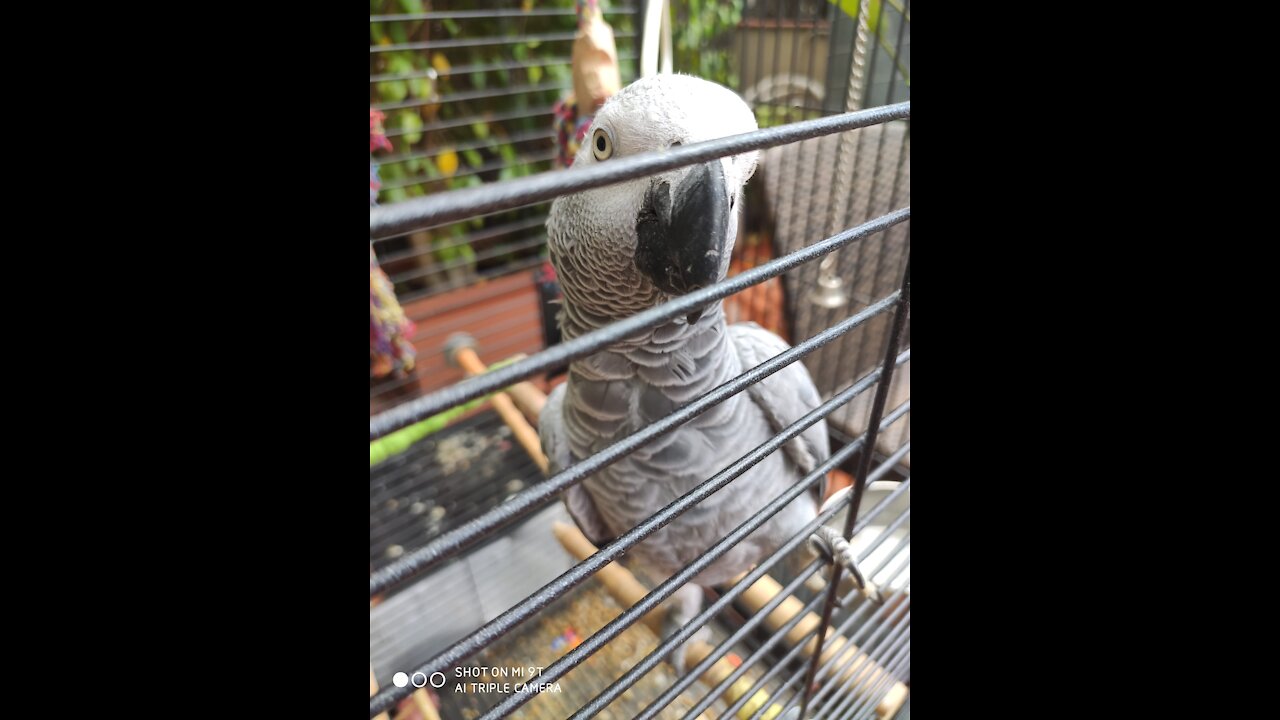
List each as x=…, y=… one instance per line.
x=682, y=235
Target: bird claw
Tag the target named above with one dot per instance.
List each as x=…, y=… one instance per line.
x=684, y=606
x=677, y=657
x=832, y=546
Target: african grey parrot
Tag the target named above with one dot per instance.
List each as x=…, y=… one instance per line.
x=624, y=248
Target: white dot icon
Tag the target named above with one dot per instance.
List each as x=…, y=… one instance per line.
x=400, y=679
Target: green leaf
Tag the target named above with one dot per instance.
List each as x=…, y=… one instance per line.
x=446, y=253
x=411, y=6
x=395, y=195
x=411, y=123
x=393, y=91
x=481, y=130
x=474, y=158
x=399, y=63
x=451, y=26
x=535, y=73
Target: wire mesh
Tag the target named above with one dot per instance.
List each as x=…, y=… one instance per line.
x=842, y=176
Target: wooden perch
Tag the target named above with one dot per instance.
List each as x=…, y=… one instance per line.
x=853, y=660
x=628, y=591
x=470, y=362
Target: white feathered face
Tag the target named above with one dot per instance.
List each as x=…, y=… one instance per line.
x=663, y=235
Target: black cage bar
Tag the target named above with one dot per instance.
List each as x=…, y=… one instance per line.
x=886, y=641
x=837, y=191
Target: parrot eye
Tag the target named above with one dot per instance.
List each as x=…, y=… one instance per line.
x=601, y=144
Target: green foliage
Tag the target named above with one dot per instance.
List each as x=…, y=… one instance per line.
x=701, y=35
x=427, y=161
x=772, y=115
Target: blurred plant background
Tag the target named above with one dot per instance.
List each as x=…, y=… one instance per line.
x=701, y=34
x=467, y=87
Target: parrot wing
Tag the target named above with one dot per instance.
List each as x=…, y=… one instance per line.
x=784, y=396
x=556, y=447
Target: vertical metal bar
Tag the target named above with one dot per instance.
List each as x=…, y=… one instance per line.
x=863, y=666
x=845, y=627
x=866, y=701
x=791, y=66
x=759, y=33
x=637, y=25
x=785, y=629
x=839, y=62
x=741, y=51
x=777, y=49
x=864, y=465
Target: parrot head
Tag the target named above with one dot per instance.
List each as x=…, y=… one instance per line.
x=622, y=248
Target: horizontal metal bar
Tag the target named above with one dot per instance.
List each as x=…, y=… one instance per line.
x=483, y=42
x=830, y=672
x=492, y=141
x=804, y=640
x=655, y=656
x=664, y=648
x=841, y=630
x=496, y=13
x=474, y=236
x=664, y=589
x=503, y=271
x=406, y=216
x=485, y=117
x=857, y=697
x=516, y=331
x=469, y=69
x=820, y=24
x=710, y=697
x=558, y=355
x=895, y=671
x=884, y=534
x=577, y=574
x=552, y=86
x=496, y=164
x=489, y=254
x=876, y=647
x=786, y=628
x=484, y=67
x=544, y=207
x=889, y=655
x=453, y=542
x=862, y=704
